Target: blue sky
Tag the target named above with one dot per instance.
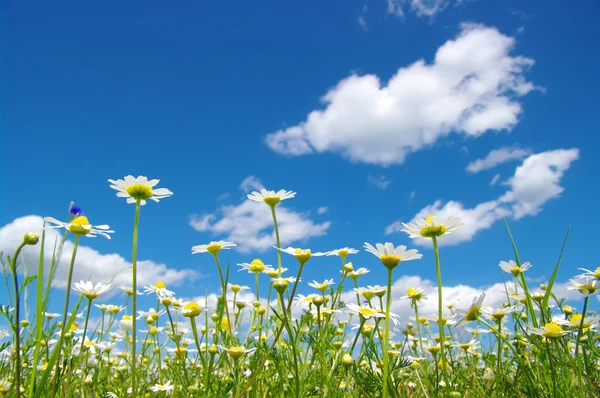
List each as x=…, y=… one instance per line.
x=205, y=95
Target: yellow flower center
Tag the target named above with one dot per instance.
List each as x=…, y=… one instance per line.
x=191, y=310
x=160, y=285
x=576, y=321
x=256, y=266
x=77, y=225
x=236, y=352
x=272, y=200
x=126, y=318
x=89, y=295
x=235, y=288
x=498, y=315
x=213, y=249
x=465, y=346
x=153, y=330
x=302, y=255
x=366, y=312
x=343, y=253
x=368, y=294
x=139, y=192
x=568, y=310
x=390, y=261
x=429, y=218
x=73, y=328
x=597, y=273
x=414, y=293
x=430, y=231
x=88, y=343
x=473, y=313
x=553, y=330
x=515, y=270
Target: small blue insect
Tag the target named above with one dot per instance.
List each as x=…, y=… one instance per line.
x=76, y=211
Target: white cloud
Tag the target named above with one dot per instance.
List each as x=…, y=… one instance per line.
x=322, y=210
x=535, y=182
x=496, y=157
x=458, y=295
x=251, y=183
x=89, y=263
x=378, y=181
x=411, y=196
x=250, y=225
x=495, y=179
x=362, y=22
x=472, y=86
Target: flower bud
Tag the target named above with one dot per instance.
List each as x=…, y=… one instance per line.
x=31, y=238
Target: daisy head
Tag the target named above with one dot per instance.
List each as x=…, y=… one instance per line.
x=551, y=330
x=513, y=268
x=256, y=266
x=80, y=226
x=191, y=310
x=471, y=314
x=322, y=286
x=415, y=294
x=391, y=256
x=213, y=247
x=343, y=252
x=431, y=227
x=585, y=287
x=271, y=198
x=160, y=289
x=302, y=255
x=89, y=290
x=139, y=189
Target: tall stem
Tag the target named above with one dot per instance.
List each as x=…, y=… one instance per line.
x=278, y=242
x=39, y=318
x=64, y=321
x=585, y=304
x=87, y=318
x=17, y=324
x=136, y=221
x=440, y=309
x=416, y=305
x=224, y=290
x=386, y=336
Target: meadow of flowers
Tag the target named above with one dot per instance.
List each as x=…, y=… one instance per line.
x=535, y=345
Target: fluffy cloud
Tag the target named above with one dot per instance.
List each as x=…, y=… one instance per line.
x=458, y=295
x=496, y=157
x=472, y=86
x=322, y=210
x=378, y=181
x=89, y=263
x=535, y=182
x=250, y=225
x=251, y=183
x=422, y=8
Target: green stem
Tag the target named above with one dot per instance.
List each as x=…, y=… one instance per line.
x=39, y=318
x=17, y=325
x=585, y=304
x=440, y=309
x=386, y=336
x=278, y=242
x=64, y=321
x=87, y=318
x=224, y=290
x=418, y=327
x=136, y=221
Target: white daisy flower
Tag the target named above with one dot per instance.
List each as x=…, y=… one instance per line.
x=271, y=198
x=126, y=323
x=321, y=286
x=302, y=299
x=391, y=256
x=357, y=272
x=415, y=294
x=139, y=189
x=431, y=227
x=471, y=314
x=129, y=290
x=167, y=387
x=51, y=315
x=213, y=247
x=91, y=291
x=150, y=313
x=80, y=226
x=365, y=311
x=513, y=268
x=302, y=255
x=343, y=252
x=549, y=330
x=587, y=287
x=160, y=289
x=589, y=274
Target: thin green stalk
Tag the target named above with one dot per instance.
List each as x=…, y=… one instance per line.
x=224, y=292
x=386, y=336
x=39, y=317
x=583, y=313
x=440, y=310
x=66, y=309
x=416, y=305
x=17, y=325
x=136, y=221
x=277, y=239
x=87, y=318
